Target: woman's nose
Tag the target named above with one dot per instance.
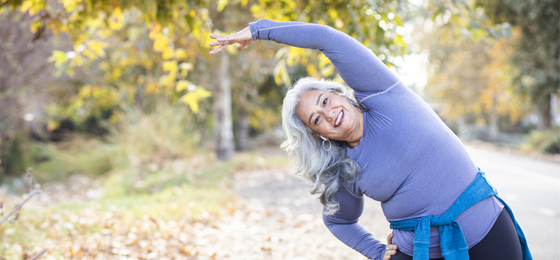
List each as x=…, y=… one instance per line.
x=330, y=115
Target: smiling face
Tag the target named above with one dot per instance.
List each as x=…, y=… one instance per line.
x=331, y=116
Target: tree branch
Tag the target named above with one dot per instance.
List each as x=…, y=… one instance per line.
x=18, y=207
x=39, y=254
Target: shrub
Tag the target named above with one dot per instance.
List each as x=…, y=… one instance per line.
x=543, y=141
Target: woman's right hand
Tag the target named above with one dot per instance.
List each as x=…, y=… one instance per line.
x=392, y=249
x=243, y=39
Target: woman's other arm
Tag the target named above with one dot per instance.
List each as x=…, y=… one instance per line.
x=357, y=65
x=344, y=226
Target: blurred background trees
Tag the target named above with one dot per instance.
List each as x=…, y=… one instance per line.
x=534, y=60
x=102, y=68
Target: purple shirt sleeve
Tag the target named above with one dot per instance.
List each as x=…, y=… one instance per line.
x=355, y=63
x=344, y=226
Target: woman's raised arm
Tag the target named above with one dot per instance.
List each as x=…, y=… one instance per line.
x=357, y=65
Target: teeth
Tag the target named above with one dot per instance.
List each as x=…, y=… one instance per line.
x=337, y=121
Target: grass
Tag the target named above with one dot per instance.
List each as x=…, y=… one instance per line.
x=152, y=171
x=197, y=191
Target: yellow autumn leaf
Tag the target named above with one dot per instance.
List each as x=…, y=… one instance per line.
x=323, y=61
x=155, y=32
x=221, y=5
x=36, y=25
x=180, y=54
x=59, y=57
x=181, y=85
x=167, y=80
x=69, y=5
x=115, y=25
x=170, y=66
x=96, y=47
x=167, y=54
x=90, y=54
x=57, y=26
x=255, y=10
x=85, y=91
x=191, y=100
x=202, y=93
x=311, y=70
x=25, y=6
x=160, y=42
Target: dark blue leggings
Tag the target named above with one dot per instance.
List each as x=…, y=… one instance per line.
x=501, y=242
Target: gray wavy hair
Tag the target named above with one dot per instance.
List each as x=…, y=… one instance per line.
x=324, y=170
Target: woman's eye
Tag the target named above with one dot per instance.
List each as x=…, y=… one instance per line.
x=325, y=101
x=316, y=120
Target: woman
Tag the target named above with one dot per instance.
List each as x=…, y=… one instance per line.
x=390, y=146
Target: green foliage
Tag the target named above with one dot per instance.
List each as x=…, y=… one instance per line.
x=536, y=57
x=90, y=157
x=136, y=139
x=13, y=157
x=164, y=132
x=473, y=78
x=543, y=141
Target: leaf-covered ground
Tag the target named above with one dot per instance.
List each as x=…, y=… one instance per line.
x=267, y=214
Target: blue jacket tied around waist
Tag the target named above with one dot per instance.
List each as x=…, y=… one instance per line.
x=453, y=244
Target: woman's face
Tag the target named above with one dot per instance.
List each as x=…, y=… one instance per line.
x=331, y=115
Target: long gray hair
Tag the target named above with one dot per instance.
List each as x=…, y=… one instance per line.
x=324, y=170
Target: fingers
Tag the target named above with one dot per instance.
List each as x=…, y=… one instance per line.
x=390, y=251
x=223, y=41
x=243, y=39
x=215, y=51
x=223, y=38
x=390, y=238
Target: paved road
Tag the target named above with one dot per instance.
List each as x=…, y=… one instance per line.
x=532, y=189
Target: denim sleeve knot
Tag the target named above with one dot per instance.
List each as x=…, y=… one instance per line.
x=452, y=240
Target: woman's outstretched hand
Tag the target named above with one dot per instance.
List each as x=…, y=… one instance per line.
x=243, y=39
x=391, y=249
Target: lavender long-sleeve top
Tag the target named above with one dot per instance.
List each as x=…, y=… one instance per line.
x=412, y=163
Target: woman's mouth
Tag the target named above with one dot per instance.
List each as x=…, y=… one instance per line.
x=339, y=118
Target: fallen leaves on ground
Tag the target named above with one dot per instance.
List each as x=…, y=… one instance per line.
x=275, y=220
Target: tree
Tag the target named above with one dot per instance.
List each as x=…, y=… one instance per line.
x=139, y=48
x=472, y=79
x=536, y=66
x=26, y=79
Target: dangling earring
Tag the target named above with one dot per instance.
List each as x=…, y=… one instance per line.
x=325, y=139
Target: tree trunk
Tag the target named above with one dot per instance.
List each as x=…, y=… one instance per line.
x=493, y=130
x=545, y=120
x=223, y=133
x=242, y=131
